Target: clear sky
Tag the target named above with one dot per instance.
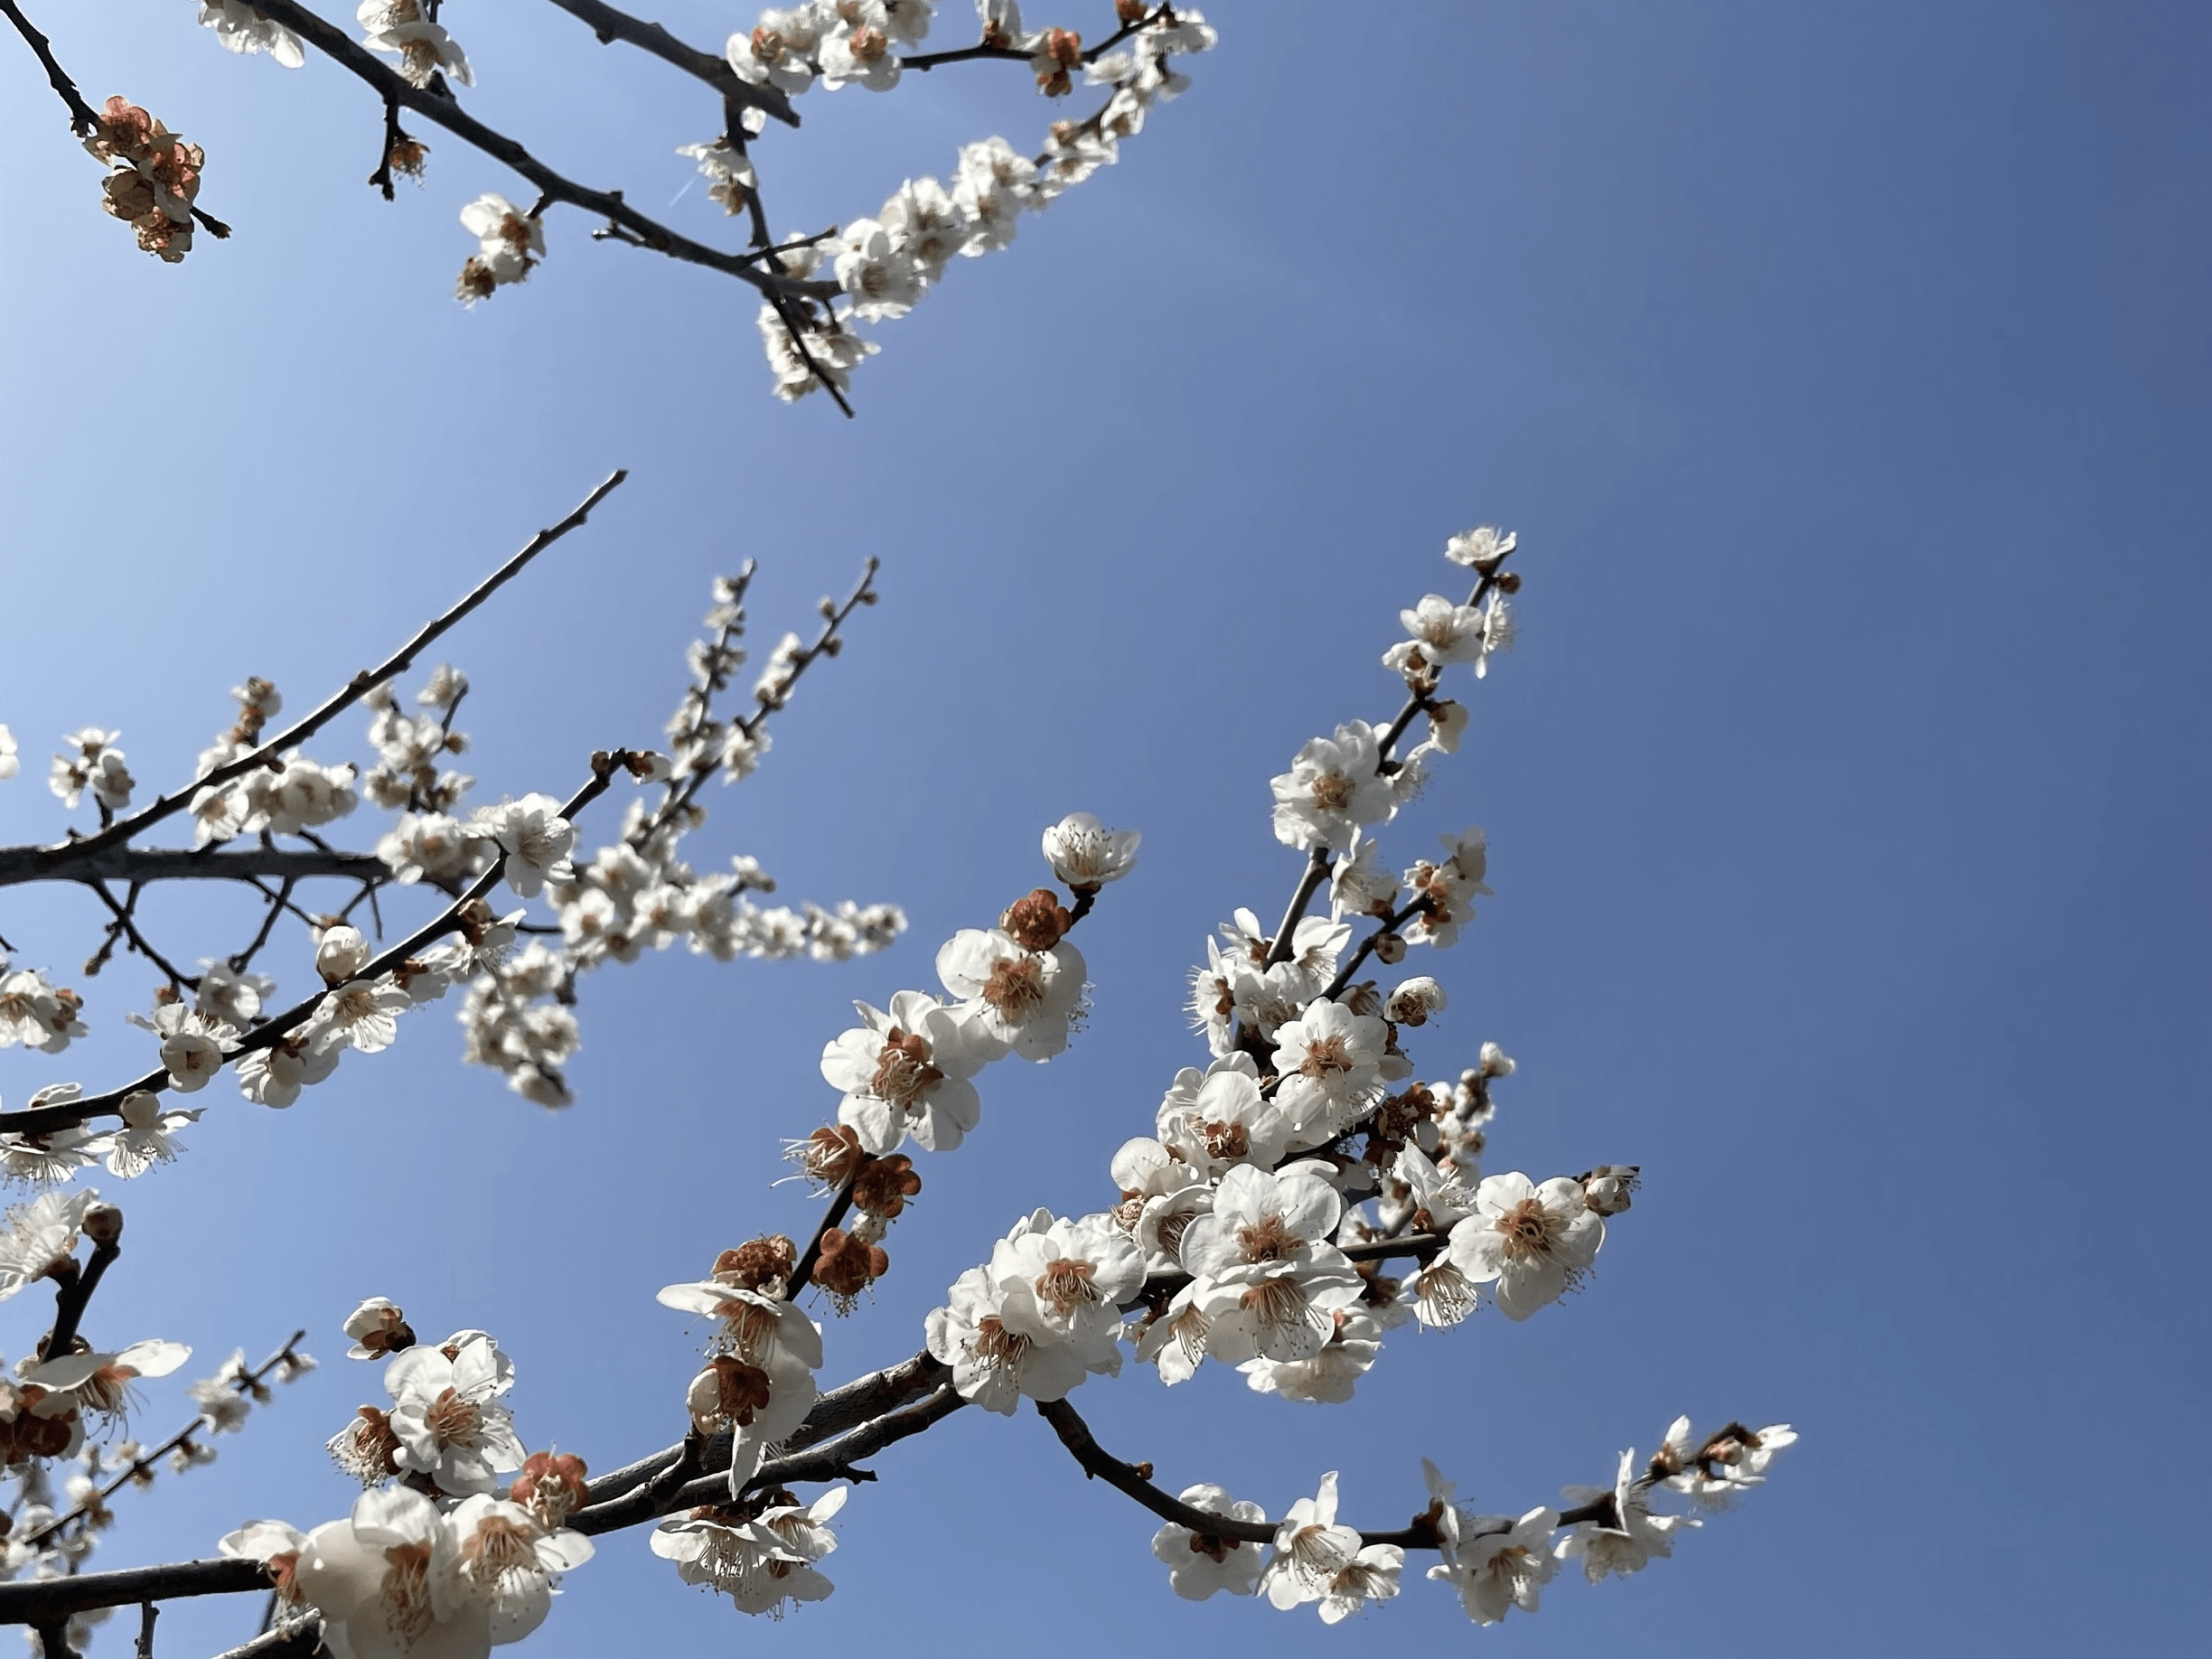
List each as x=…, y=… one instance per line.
x=1840, y=368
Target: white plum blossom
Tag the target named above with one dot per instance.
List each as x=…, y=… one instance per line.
x=425, y=49
x=1086, y=855
x=1017, y=1000
x=448, y=1422
x=243, y=29
x=274, y=1076
x=148, y=1135
x=1042, y=1315
x=379, y=1329
x=1495, y=1571
x=1199, y=1565
x=9, y=763
x=1626, y=1542
x=1316, y=1559
x=905, y=1074
x=1483, y=549
x=1531, y=1244
x=1268, y=1280
x=762, y=1563
x=1330, y=1061
x=380, y=1579
x=506, y=1564
x=1334, y=788
x=99, y=1385
x=193, y=1046
x=39, y=1235
x=1329, y=1376
x=535, y=839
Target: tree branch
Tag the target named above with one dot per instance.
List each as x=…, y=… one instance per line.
x=38, y=1119
x=62, y=857
x=611, y=25
x=140, y=865
x=44, y=1600
x=552, y=187
x=73, y=1293
x=83, y=119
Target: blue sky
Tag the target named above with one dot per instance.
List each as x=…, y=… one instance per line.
x=1839, y=369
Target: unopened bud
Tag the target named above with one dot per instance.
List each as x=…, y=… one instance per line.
x=103, y=1223
x=341, y=953
x=1606, y=1189
x=1038, y=922
x=1390, y=950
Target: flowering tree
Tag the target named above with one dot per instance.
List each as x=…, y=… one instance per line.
x=1299, y=1194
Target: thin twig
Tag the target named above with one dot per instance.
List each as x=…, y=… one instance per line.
x=72, y=1293
x=268, y=754
x=84, y=120
x=37, y=1120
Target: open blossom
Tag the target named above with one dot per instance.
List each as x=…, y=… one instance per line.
x=425, y=49
x=506, y=1562
x=1268, y=1279
x=762, y=1563
x=1332, y=1373
x=191, y=1050
x=148, y=1135
x=1334, y=787
x=449, y=1425
x=534, y=837
x=39, y=1235
x=275, y=1075
x=1441, y=632
x=35, y=1013
x=1531, y=1244
x=379, y=1578
x=1495, y=1571
x=1218, y=1118
x=1330, y=1062
x=1448, y=888
x=877, y=271
x=364, y=1014
x=1728, y=1462
x=1086, y=855
x=1310, y=1550
x=1483, y=549
x=1042, y=1317
x=99, y=1385
x=243, y=29
x=1019, y=1001
x=906, y=1073
x=1199, y=1565
x=1626, y=1541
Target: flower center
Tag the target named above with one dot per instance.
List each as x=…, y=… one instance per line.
x=497, y=1547
x=995, y=1346
x=1527, y=1229
x=1332, y=792
x=406, y=1592
x=903, y=1070
x=1065, y=1285
x=454, y=1421
x=1016, y=988
x=1267, y=1240
x=1275, y=1301
x=1327, y=1058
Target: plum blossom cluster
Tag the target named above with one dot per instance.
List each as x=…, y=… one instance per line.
x=153, y=177
x=67, y=1405
x=638, y=893
x=458, y=1539
x=886, y=264
x=257, y=799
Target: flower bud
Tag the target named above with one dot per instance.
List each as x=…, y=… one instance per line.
x=1607, y=1188
x=341, y=954
x=103, y=1223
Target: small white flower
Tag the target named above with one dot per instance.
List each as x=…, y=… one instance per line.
x=1199, y=1565
x=1086, y=855
x=535, y=838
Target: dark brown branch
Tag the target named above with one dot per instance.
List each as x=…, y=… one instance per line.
x=64, y=856
x=125, y=924
x=38, y=1119
x=39, y=1601
x=552, y=187
x=1316, y=872
x=1135, y=1480
x=841, y=1409
x=611, y=25
x=73, y=1292
x=84, y=120
x=146, y=1616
